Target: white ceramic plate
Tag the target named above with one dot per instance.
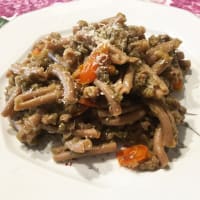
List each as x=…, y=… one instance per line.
x=28, y=174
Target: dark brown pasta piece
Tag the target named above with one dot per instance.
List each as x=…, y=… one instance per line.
x=158, y=148
x=119, y=57
x=67, y=82
x=87, y=133
x=166, y=47
x=114, y=105
x=96, y=150
x=78, y=145
x=9, y=108
x=104, y=113
x=37, y=97
x=166, y=126
x=127, y=83
x=125, y=119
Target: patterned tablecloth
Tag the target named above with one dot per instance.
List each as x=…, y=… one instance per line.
x=9, y=9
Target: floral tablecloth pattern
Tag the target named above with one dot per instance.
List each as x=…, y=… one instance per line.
x=9, y=9
x=190, y=5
